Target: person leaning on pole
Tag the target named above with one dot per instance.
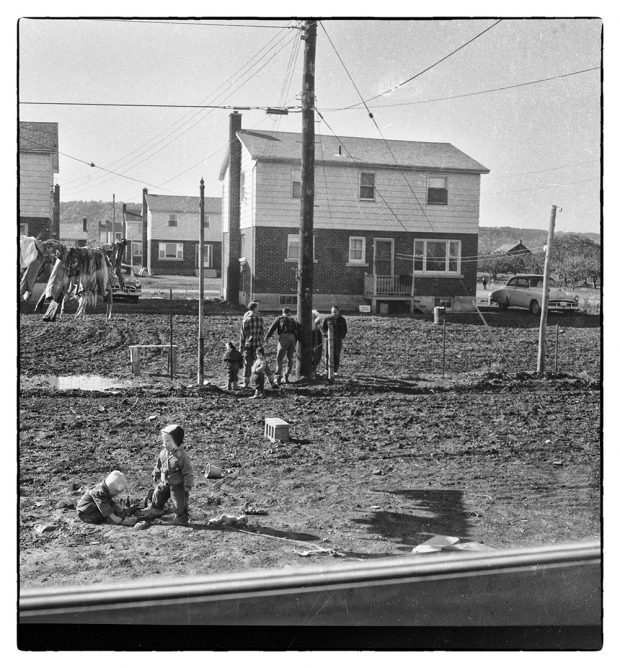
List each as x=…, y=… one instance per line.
x=287, y=330
x=340, y=331
x=250, y=338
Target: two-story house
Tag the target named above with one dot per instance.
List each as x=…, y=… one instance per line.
x=38, y=162
x=392, y=223
x=173, y=234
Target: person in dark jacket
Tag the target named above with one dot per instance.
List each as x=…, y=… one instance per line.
x=173, y=475
x=98, y=506
x=286, y=328
x=339, y=330
x=234, y=361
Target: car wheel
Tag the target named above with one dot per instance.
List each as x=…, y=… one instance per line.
x=534, y=307
x=503, y=305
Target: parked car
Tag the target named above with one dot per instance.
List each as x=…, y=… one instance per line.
x=132, y=288
x=526, y=291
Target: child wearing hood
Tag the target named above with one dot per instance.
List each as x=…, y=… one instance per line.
x=234, y=361
x=173, y=476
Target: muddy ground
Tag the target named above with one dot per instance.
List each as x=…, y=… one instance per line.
x=391, y=454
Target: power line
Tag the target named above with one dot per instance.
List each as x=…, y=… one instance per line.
x=545, y=187
x=430, y=67
x=161, y=106
x=480, y=92
x=540, y=171
x=192, y=23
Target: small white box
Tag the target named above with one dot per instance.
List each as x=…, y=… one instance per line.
x=364, y=308
x=276, y=429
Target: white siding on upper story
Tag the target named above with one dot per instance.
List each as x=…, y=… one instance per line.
x=248, y=201
x=275, y=206
x=187, y=227
x=36, y=175
x=225, y=188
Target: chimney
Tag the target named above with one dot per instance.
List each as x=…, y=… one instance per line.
x=234, y=209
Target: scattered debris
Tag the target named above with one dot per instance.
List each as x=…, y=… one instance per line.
x=375, y=507
x=44, y=528
x=449, y=544
x=558, y=463
x=376, y=472
x=152, y=417
x=251, y=509
x=229, y=520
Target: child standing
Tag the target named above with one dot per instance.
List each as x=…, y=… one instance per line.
x=98, y=506
x=234, y=361
x=173, y=475
x=260, y=369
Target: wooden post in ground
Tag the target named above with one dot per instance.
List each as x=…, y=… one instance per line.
x=443, y=355
x=540, y=366
x=171, y=355
x=557, y=342
x=201, y=291
x=330, y=351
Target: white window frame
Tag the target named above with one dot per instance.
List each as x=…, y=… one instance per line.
x=356, y=260
x=449, y=256
x=429, y=187
x=173, y=220
x=163, y=251
x=374, y=186
x=293, y=238
x=295, y=180
x=207, y=256
x=136, y=249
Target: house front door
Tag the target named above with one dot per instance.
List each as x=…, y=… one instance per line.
x=384, y=257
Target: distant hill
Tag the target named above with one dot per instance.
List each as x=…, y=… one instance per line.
x=74, y=211
x=491, y=238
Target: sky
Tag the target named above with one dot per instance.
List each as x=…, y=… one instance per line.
x=540, y=141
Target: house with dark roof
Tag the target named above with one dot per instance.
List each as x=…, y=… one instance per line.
x=513, y=248
x=38, y=162
x=394, y=221
x=173, y=234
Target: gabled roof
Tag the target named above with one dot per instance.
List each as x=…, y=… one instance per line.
x=183, y=203
x=517, y=246
x=286, y=147
x=37, y=137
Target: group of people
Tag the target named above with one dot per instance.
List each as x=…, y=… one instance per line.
x=250, y=356
x=173, y=477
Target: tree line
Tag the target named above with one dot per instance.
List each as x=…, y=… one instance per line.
x=575, y=261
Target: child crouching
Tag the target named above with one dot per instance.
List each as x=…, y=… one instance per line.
x=173, y=476
x=97, y=505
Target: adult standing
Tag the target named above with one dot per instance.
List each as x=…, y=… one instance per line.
x=286, y=328
x=339, y=331
x=251, y=338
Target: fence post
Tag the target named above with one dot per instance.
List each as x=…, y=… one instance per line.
x=172, y=360
x=557, y=340
x=443, y=362
x=330, y=351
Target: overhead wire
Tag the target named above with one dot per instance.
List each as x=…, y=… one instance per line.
x=175, y=127
x=430, y=67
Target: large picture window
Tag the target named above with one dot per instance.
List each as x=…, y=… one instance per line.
x=170, y=251
x=437, y=256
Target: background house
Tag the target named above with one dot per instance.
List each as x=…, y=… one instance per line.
x=395, y=223
x=513, y=248
x=173, y=232
x=38, y=162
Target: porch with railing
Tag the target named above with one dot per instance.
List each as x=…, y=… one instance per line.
x=378, y=285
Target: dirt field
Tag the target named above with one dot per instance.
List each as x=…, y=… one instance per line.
x=389, y=455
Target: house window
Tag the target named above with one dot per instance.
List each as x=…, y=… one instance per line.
x=437, y=190
x=23, y=229
x=292, y=247
x=84, y=225
x=172, y=220
x=136, y=249
x=357, y=250
x=367, y=185
x=170, y=251
x=296, y=180
x=434, y=256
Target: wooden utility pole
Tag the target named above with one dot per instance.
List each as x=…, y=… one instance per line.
x=540, y=366
x=201, y=291
x=306, y=225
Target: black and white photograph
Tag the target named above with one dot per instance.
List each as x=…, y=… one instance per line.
x=308, y=337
